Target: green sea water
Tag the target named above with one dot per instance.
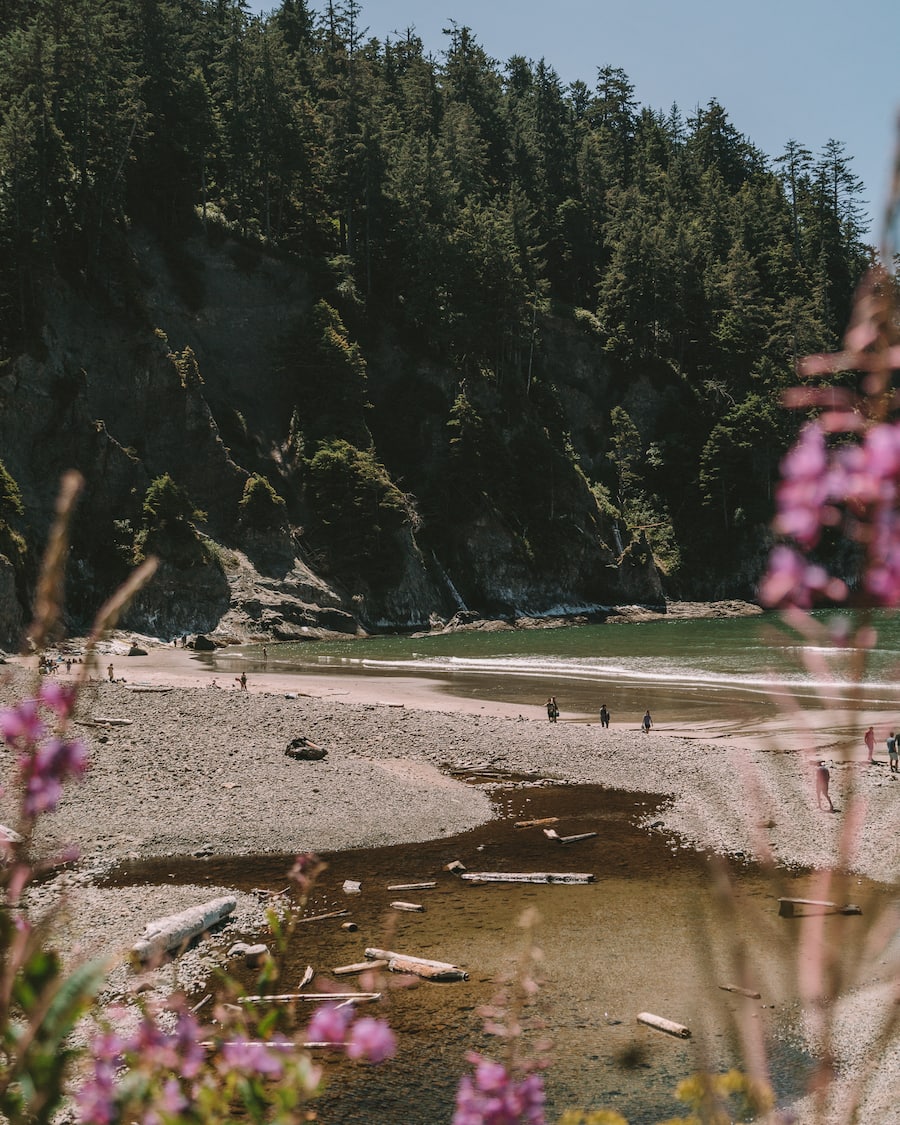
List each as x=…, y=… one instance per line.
x=721, y=673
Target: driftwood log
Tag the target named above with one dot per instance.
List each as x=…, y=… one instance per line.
x=360, y=967
x=741, y=991
x=788, y=907
x=668, y=1026
x=417, y=966
x=411, y=886
x=410, y=907
x=552, y=834
x=527, y=877
x=323, y=917
x=313, y=998
x=539, y=823
x=164, y=935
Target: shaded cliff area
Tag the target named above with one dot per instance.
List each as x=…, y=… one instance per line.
x=397, y=493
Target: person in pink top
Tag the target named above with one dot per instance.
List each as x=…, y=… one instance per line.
x=869, y=739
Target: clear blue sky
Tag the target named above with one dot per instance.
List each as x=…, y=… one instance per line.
x=806, y=70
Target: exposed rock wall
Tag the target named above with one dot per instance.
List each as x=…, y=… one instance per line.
x=104, y=394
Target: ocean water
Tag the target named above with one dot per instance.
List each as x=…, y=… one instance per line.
x=722, y=676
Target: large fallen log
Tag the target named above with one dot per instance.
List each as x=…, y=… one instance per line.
x=668, y=1026
x=164, y=935
x=417, y=966
x=527, y=877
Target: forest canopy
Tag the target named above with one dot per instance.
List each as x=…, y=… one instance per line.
x=466, y=206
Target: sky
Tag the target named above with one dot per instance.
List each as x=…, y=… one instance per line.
x=804, y=70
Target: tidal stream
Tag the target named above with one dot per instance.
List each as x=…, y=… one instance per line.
x=647, y=935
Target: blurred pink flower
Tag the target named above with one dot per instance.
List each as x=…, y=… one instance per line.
x=329, y=1024
x=371, y=1040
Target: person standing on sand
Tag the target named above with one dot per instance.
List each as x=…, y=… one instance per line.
x=111, y=674
x=242, y=680
x=893, y=753
x=869, y=739
x=823, y=778
x=604, y=717
x=552, y=709
x=646, y=722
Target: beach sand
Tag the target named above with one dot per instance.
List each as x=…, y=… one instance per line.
x=181, y=767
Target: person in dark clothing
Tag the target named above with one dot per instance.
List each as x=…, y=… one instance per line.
x=823, y=779
x=604, y=716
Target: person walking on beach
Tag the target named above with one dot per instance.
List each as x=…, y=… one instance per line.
x=869, y=739
x=604, y=717
x=552, y=709
x=242, y=680
x=111, y=674
x=893, y=753
x=823, y=778
x=646, y=722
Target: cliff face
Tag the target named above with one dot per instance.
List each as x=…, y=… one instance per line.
x=184, y=375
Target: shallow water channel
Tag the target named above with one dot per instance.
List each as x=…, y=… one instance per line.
x=645, y=936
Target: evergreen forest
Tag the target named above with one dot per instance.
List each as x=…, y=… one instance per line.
x=533, y=334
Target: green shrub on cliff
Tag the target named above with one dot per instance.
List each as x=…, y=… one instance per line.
x=11, y=542
x=168, y=525
x=260, y=506
x=359, y=510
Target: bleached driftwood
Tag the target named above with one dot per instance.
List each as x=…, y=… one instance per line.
x=527, y=877
x=455, y=866
x=668, y=1026
x=352, y=887
x=414, y=966
x=313, y=998
x=359, y=967
x=410, y=907
x=741, y=991
x=417, y=966
x=164, y=935
x=539, y=823
x=323, y=917
x=307, y=977
x=552, y=834
x=350, y=927
x=787, y=907
x=411, y=886
x=104, y=722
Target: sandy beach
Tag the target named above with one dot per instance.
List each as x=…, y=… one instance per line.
x=181, y=767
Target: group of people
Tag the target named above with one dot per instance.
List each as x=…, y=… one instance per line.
x=553, y=714
x=893, y=748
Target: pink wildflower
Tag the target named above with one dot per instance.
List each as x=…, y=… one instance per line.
x=372, y=1040
x=44, y=768
x=329, y=1024
x=58, y=697
x=22, y=725
x=494, y=1097
x=250, y=1055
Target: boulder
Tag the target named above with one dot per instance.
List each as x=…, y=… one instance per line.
x=304, y=750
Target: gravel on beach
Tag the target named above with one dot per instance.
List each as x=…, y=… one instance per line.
x=188, y=769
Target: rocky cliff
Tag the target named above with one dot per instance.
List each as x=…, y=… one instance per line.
x=180, y=369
